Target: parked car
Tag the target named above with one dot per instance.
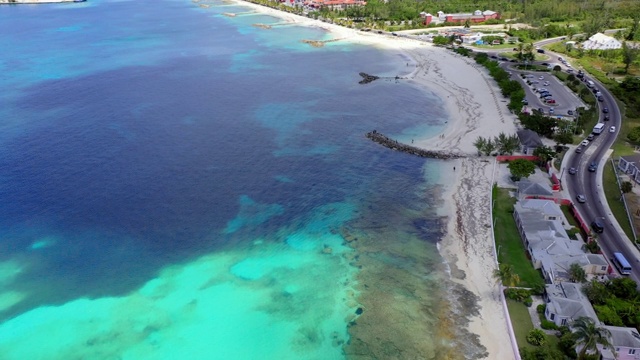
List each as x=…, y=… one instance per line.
x=573, y=170
x=550, y=101
x=612, y=129
x=597, y=226
x=525, y=102
x=605, y=110
x=600, y=98
x=584, y=142
x=578, y=150
x=541, y=77
x=551, y=111
x=606, y=118
x=541, y=90
x=546, y=83
x=569, y=112
x=593, y=166
x=591, y=137
x=581, y=198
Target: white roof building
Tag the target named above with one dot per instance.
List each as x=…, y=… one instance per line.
x=601, y=41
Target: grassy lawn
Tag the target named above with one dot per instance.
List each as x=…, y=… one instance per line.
x=569, y=216
x=521, y=322
x=508, y=242
x=612, y=192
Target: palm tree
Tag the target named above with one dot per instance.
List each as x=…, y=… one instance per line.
x=504, y=274
x=589, y=334
x=577, y=273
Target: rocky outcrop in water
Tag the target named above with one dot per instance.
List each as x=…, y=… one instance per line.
x=366, y=78
x=395, y=145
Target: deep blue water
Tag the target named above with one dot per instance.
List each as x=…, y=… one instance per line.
x=140, y=134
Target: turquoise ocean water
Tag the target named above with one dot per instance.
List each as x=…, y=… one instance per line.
x=180, y=184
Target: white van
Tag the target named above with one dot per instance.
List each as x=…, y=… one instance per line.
x=590, y=84
x=598, y=128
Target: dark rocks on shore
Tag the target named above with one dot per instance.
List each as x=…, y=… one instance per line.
x=395, y=145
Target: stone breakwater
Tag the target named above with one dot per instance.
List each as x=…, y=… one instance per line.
x=395, y=145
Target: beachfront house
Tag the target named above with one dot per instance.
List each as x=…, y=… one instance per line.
x=529, y=141
x=556, y=268
x=528, y=189
x=630, y=165
x=566, y=302
x=625, y=341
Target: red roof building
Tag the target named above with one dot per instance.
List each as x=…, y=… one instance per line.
x=475, y=17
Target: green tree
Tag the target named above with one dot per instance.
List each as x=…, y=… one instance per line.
x=442, y=40
x=634, y=135
x=588, y=334
x=544, y=153
x=577, y=273
x=563, y=138
x=623, y=287
x=480, y=144
x=521, y=168
x=629, y=55
x=504, y=274
x=536, y=337
x=489, y=147
x=596, y=292
x=626, y=187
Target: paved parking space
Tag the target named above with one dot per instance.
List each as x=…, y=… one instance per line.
x=565, y=98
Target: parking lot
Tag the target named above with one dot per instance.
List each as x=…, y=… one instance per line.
x=565, y=99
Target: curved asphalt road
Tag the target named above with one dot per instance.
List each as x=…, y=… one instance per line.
x=589, y=184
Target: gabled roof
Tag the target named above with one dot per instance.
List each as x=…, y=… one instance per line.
x=529, y=138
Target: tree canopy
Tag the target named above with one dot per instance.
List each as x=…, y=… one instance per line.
x=521, y=168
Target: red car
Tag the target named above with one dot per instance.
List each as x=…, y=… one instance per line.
x=551, y=101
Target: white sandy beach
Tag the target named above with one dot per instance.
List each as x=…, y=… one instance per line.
x=476, y=108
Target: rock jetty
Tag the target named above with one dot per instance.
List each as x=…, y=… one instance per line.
x=395, y=145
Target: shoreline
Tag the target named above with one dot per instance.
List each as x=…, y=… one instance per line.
x=476, y=108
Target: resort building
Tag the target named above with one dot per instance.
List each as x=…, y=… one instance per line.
x=475, y=17
x=330, y=4
x=601, y=41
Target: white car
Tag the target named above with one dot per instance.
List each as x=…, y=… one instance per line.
x=584, y=142
x=541, y=78
x=541, y=90
x=612, y=129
